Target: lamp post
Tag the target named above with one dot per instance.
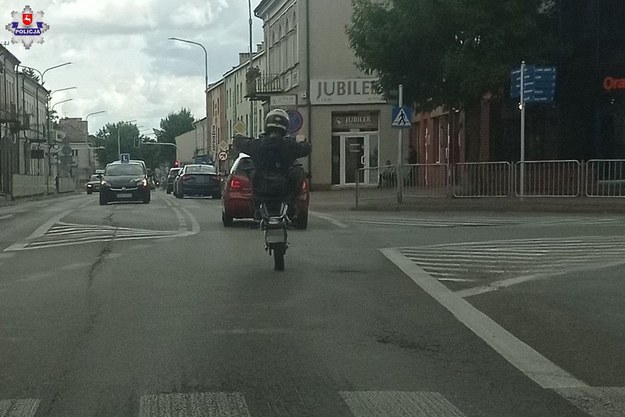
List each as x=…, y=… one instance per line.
x=60, y=102
x=205, y=58
x=249, y=5
x=119, y=149
x=62, y=89
x=42, y=77
x=205, y=66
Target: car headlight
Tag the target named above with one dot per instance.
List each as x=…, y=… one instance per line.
x=89, y=185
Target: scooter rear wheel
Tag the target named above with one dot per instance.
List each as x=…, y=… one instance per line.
x=278, y=257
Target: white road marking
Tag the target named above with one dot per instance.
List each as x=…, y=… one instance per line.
x=205, y=404
x=509, y=262
x=19, y=408
x=538, y=368
x=195, y=226
x=497, y=285
x=598, y=402
x=7, y=216
x=399, y=404
x=329, y=219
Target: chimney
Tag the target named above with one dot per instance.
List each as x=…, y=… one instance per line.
x=243, y=57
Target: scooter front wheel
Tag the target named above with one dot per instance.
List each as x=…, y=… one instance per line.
x=278, y=256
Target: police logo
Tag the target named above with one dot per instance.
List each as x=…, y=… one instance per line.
x=27, y=27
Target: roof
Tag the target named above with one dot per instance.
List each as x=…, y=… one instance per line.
x=245, y=64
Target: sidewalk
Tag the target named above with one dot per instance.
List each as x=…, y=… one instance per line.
x=341, y=200
x=4, y=202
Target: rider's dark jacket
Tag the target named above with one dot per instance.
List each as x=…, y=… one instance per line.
x=273, y=156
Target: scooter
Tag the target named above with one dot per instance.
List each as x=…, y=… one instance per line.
x=274, y=223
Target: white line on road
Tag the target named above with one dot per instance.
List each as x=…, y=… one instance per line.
x=538, y=368
x=195, y=226
x=399, y=404
x=329, y=219
x=41, y=230
x=7, y=216
x=205, y=404
x=497, y=285
x=19, y=408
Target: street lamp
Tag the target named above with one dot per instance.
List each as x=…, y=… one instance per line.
x=94, y=113
x=59, y=102
x=62, y=89
x=205, y=58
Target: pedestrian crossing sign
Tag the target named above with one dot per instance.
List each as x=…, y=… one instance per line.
x=402, y=117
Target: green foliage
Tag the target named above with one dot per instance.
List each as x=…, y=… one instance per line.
x=31, y=74
x=173, y=125
x=154, y=156
x=107, y=138
x=450, y=52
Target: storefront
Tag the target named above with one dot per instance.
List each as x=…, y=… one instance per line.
x=351, y=129
x=355, y=145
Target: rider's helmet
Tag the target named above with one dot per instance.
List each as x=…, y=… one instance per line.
x=277, y=119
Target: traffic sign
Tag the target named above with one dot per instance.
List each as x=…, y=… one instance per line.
x=223, y=155
x=539, y=83
x=125, y=157
x=295, y=121
x=223, y=145
x=239, y=127
x=402, y=117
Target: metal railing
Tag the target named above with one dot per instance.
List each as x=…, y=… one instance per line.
x=482, y=179
x=376, y=183
x=605, y=178
x=425, y=180
x=548, y=178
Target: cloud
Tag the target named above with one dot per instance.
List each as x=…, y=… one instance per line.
x=122, y=60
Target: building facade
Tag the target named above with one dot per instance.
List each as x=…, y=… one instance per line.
x=310, y=71
x=216, y=121
x=25, y=164
x=82, y=163
x=191, y=146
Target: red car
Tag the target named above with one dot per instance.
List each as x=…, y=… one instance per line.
x=237, y=201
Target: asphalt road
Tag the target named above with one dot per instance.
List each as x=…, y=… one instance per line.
x=158, y=310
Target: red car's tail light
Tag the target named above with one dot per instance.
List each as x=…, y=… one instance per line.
x=235, y=184
x=304, y=186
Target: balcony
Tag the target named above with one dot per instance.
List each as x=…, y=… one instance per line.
x=17, y=120
x=261, y=86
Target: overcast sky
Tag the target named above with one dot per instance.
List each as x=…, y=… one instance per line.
x=122, y=60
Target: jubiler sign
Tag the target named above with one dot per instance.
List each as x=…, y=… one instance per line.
x=347, y=91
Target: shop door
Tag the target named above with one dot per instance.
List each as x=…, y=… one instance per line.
x=359, y=151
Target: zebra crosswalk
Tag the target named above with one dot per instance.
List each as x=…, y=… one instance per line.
x=504, y=259
x=593, y=401
x=233, y=404
x=480, y=221
x=64, y=234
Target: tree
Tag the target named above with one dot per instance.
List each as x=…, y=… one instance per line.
x=173, y=125
x=450, y=52
x=30, y=73
x=107, y=138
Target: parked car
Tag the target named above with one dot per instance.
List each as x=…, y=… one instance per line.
x=124, y=181
x=237, y=198
x=197, y=179
x=173, y=173
x=93, y=184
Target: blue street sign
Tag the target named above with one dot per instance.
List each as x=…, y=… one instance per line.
x=539, y=83
x=402, y=117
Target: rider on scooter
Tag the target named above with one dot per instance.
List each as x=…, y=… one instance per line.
x=273, y=155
